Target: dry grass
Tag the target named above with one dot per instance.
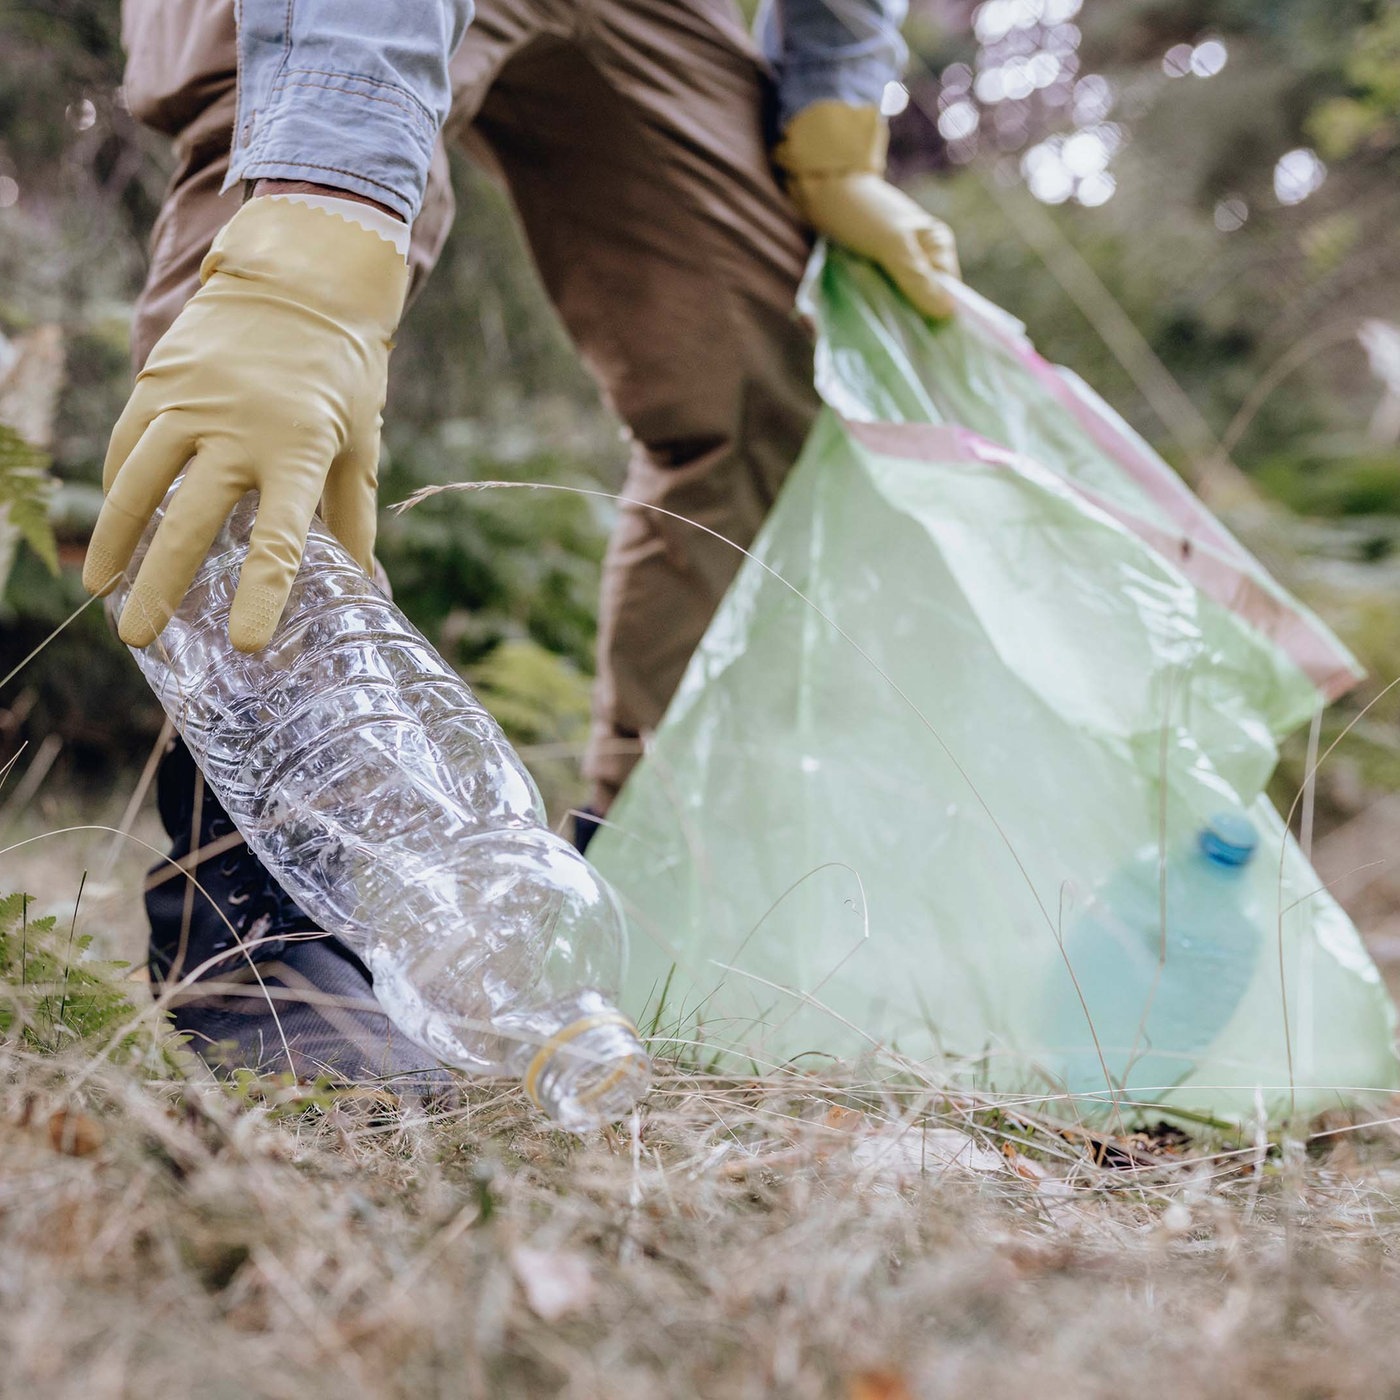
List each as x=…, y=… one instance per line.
x=162, y=1235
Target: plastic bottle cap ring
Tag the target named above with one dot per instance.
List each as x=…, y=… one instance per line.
x=1229, y=838
x=562, y=1037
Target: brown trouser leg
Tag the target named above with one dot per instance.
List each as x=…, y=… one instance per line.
x=630, y=134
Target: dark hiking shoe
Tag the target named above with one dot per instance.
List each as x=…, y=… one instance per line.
x=310, y=1011
x=212, y=905
x=247, y=975
x=586, y=825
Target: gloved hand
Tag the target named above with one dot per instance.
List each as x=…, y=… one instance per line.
x=834, y=157
x=271, y=379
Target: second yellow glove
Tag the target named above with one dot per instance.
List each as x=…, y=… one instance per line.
x=271, y=380
x=834, y=157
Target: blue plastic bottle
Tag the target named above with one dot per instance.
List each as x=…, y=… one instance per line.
x=1156, y=1002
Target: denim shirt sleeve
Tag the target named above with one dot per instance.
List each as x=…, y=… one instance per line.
x=832, y=50
x=346, y=93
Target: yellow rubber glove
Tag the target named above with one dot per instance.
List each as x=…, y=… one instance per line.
x=834, y=157
x=271, y=379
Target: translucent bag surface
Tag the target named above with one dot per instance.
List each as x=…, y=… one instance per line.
x=991, y=655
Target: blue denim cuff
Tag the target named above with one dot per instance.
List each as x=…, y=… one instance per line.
x=831, y=50
x=860, y=81
x=345, y=93
x=335, y=129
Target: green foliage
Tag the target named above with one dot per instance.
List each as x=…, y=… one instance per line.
x=84, y=687
x=1368, y=115
x=51, y=995
x=537, y=696
x=504, y=582
x=1356, y=483
x=475, y=568
x=97, y=380
x=25, y=491
x=1327, y=243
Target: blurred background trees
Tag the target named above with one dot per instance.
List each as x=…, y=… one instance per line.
x=1190, y=202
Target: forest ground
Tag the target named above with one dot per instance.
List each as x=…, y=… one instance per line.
x=859, y=1238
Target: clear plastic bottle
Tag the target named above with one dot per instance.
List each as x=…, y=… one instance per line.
x=1157, y=1000
x=366, y=776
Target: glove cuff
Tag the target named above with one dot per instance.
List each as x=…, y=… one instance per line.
x=315, y=257
x=832, y=139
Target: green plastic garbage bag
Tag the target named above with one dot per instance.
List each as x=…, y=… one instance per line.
x=968, y=772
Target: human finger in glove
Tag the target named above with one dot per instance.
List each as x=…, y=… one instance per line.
x=833, y=155
x=271, y=379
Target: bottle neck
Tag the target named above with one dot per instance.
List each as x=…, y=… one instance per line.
x=584, y=1069
x=1222, y=869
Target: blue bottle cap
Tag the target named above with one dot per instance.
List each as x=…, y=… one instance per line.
x=1229, y=838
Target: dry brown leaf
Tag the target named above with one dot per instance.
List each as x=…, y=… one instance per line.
x=1024, y=1167
x=554, y=1283
x=74, y=1133
x=845, y=1120
x=879, y=1385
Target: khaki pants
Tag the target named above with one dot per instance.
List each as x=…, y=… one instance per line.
x=631, y=137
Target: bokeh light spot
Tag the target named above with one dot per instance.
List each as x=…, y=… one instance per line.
x=1093, y=99
x=1298, y=174
x=1176, y=62
x=1044, y=69
x=82, y=116
x=1231, y=213
x=1209, y=58
x=1095, y=189
x=956, y=77
x=1085, y=153
x=958, y=120
x=990, y=86
x=894, y=99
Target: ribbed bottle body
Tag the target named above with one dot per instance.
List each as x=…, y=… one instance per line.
x=1161, y=958
x=367, y=777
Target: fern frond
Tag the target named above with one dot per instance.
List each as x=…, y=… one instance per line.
x=26, y=489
